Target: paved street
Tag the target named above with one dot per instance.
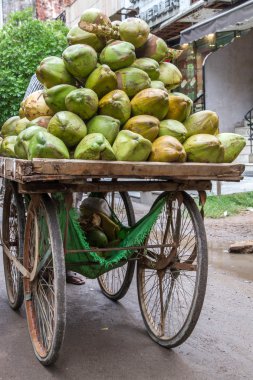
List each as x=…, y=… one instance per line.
x=105, y=340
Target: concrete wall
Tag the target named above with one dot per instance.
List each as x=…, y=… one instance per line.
x=229, y=82
x=45, y=9
x=50, y=9
x=9, y=6
x=109, y=7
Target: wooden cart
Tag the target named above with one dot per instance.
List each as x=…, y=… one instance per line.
x=171, y=264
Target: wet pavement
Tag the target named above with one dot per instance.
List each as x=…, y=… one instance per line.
x=106, y=340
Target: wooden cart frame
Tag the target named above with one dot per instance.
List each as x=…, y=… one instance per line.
x=171, y=264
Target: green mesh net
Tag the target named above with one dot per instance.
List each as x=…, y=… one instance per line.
x=92, y=264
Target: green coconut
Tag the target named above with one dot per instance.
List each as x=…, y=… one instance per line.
x=68, y=127
x=94, y=16
x=151, y=101
x=173, y=128
x=52, y=71
x=46, y=145
x=116, y=104
x=155, y=48
x=80, y=60
x=167, y=149
x=21, y=113
x=21, y=125
x=23, y=140
x=117, y=55
x=35, y=106
x=79, y=36
x=145, y=125
x=202, y=122
x=107, y=125
x=158, y=84
x=7, y=146
x=97, y=238
x=204, y=148
x=134, y=30
x=170, y=75
x=180, y=107
x=102, y=80
x=132, y=80
x=83, y=102
x=130, y=146
x=150, y=66
x=55, y=96
x=41, y=121
x=116, y=24
x=9, y=127
x=94, y=147
x=233, y=145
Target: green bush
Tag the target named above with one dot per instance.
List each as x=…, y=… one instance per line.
x=24, y=42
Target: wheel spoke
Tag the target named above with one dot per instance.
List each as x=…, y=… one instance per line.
x=45, y=301
x=168, y=294
x=113, y=283
x=12, y=233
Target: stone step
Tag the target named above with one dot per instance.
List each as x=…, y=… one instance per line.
x=242, y=159
x=244, y=131
x=249, y=168
x=246, y=149
x=247, y=123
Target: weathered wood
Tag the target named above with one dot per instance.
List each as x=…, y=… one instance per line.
x=135, y=169
x=107, y=186
x=58, y=170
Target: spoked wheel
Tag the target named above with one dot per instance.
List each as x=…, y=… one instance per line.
x=115, y=283
x=46, y=288
x=171, y=279
x=13, y=240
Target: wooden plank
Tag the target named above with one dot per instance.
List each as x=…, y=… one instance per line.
x=107, y=186
x=14, y=169
x=119, y=169
x=58, y=170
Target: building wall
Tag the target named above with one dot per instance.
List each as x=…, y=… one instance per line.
x=50, y=9
x=9, y=6
x=45, y=9
x=109, y=7
x=229, y=82
x=152, y=11
x=155, y=12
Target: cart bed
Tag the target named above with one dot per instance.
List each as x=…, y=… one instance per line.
x=61, y=174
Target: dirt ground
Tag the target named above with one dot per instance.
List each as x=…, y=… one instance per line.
x=106, y=340
x=230, y=229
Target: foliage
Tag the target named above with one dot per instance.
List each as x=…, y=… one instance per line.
x=226, y=205
x=24, y=42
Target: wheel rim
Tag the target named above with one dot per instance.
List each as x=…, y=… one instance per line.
x=167, y=292
x=40, y=293
x=11, y=242
x=113, y=280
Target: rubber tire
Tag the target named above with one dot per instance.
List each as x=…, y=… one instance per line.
x=200, y=288
x=131, y=264
x=10, y=188
x=59, y=282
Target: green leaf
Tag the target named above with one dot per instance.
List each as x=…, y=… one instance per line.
x=24, y=42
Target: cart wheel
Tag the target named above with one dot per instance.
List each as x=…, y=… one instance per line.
x=45, y=290
x=171, y=281
x=13, y=239
x=115, y=283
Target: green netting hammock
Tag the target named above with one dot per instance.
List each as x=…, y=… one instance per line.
x=91, y=264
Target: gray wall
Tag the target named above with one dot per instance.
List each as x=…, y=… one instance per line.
x=229, y=82
x=15, y=5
